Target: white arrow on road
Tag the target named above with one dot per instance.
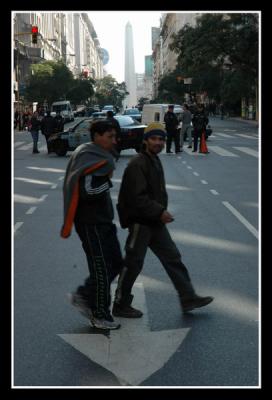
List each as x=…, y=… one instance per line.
x=133, y=352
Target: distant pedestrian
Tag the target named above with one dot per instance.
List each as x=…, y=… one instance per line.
x=87, y=204
x=34, y=127
x=186, y=129
x=48, y=128
x=171, y=125
x=142, y=207
x=199, y=121
x=222, y=110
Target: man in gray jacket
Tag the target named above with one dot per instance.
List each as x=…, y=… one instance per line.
x=186, y=119
x=142, y=208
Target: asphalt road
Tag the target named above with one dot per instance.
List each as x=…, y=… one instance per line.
x=214, y=199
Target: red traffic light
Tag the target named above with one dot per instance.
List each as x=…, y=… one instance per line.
x=34, y=29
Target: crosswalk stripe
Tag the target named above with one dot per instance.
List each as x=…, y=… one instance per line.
x=189, y=151
x=222, y=152
x=16, y=144
x=248, y=150
x=26, y=147
x=246, y=136
x=222, y=134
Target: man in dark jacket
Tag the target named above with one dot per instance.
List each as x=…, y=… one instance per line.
x=171, y=125
x=142, y=208
x=34, y=128
x=48, y=128
x=59, y=122
x=199, y=121
x=87, y=204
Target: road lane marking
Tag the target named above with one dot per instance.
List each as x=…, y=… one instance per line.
x=241, y=219
x=61, y=178
x=26, y=147
x=222, y=152
x=188, y=166
x=135, y=337
x=183, y=162
x=204, y=182
x=16, y=144
x=195, y=173
x=42, y=198
x=248, y=150
x=191, y=153
x=222, y=134
x=31, y=210
x=17, y=226
x=54, y=186
x=213, y=191
x=246, y=136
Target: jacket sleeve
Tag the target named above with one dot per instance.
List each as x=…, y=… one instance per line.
x=138, y=199
x=92, y=187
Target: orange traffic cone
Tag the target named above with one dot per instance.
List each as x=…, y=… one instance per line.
x=203, y=146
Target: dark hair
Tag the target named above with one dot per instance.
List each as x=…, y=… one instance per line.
x=110, y=114
x=170, y=106
x=100, y=127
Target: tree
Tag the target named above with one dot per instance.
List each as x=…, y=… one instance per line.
x=221, y=54
x=48, y=81
x=81, y=91
x=109, y=91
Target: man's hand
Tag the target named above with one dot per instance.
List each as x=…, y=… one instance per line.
x=166, y=217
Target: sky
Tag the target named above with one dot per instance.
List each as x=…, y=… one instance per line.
x=110, y=30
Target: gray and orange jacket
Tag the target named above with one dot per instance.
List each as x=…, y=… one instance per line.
x=86, y=159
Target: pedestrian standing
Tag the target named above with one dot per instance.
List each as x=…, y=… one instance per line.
x=34, y=127
x=87, y=204
x=186, y=129
x=142, y=207
x=48, y=128
x=59, y=122
x=171, y=125
x=199, y=121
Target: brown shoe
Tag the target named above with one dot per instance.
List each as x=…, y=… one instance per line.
x=196, y=302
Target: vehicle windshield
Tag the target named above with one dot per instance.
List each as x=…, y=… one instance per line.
x=126, y=121
x=131, y=111
x=59, y=107
x=83, y=126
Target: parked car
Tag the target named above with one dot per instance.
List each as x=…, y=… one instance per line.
x=134, y=113
x=99, y=115
x=131, y=136
x=108, y=108
x=68, y=140
x=131, y=133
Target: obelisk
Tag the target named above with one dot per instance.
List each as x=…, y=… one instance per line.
x=130, y=77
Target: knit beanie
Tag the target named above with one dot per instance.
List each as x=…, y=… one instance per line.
x=154, y=129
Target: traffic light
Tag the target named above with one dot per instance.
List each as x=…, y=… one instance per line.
x=34, y=32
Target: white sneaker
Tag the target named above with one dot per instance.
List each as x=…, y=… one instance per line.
x=104, y=324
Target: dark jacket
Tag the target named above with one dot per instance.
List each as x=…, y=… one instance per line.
x=171, y=121
x=88, y=158
x=35, y=124
x=142, y=197
x=48, y=125
x=59, y=123
x=200, y=120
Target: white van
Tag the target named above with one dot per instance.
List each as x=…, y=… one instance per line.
x=65, y=108
x=156, y=112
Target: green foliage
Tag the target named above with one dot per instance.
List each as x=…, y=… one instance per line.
x=221, y=55
x=109, y=91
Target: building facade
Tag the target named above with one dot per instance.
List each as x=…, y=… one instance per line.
x=67, y=36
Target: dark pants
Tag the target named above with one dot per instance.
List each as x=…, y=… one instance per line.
x=197, y=134
x=102, y=249
x=35, y=137
x=160, y=242
x=172, y=134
